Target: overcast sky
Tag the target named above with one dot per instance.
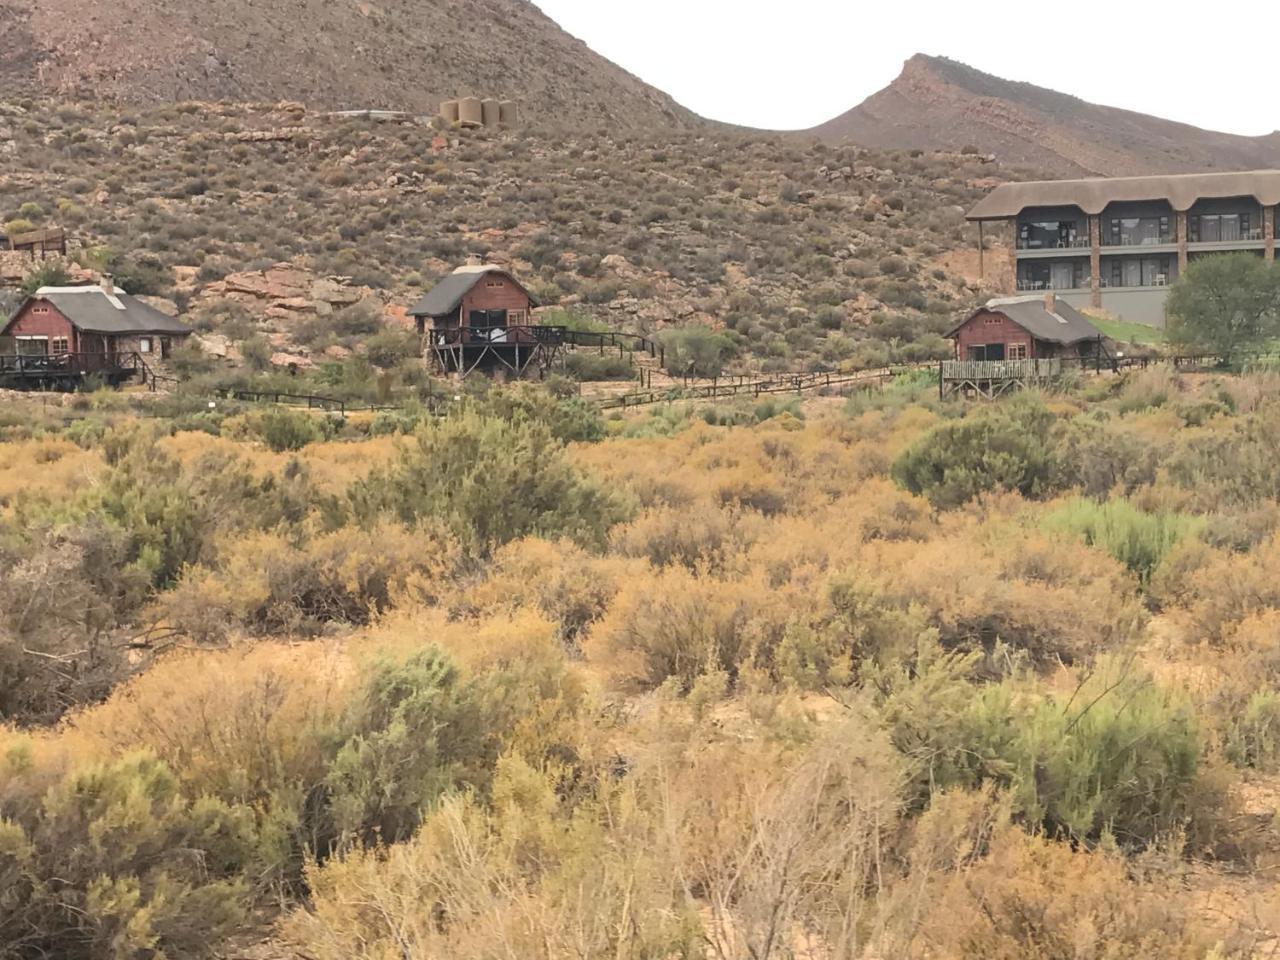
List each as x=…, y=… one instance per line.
x=791, y=64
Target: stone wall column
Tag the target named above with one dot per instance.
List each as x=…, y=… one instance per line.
x=1269, y=233
x=1095, y=261
x=1181, y=219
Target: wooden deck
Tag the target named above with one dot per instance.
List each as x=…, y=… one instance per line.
x=989, y=379
x=69, y=371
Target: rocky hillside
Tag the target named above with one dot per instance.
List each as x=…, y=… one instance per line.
x=804, y=255
x=395, y=54
x=938, y=104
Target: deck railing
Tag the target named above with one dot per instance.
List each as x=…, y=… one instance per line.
x=66, y=364
x=1001, y=369
x=513, y=334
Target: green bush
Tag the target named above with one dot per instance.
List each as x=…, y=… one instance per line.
x=1253, y=737
x=1118, y=757
x=1007, y=447
x=419, y=732
x=696, y=351
x=282, y=429
x=115, y=862
x=1136, y=538
x=490, y=481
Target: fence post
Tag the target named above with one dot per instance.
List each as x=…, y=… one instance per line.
x=940, y=369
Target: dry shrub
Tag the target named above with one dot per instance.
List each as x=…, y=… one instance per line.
x=524, y=878
x=680, y=625
x=238, y=724
x=567, y=585
x=1031, y=899
x=1051, y=597
x=692, y=537
x=1222, y=590
x=267, y=583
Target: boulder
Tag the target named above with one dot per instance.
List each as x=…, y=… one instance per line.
x=332, y=291
x=291, y=360
x=163, y=304
x=213, y=344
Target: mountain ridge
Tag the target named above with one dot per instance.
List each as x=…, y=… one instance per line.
x=392, y=54
x=941, y=104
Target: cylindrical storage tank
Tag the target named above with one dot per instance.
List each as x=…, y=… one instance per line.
x=507, y=113
x=449, y=111
x=470, y=112
x=489, y=111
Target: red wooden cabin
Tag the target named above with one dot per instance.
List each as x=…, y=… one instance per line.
x=481, y=317
x=63, y=333
x=1025, y=328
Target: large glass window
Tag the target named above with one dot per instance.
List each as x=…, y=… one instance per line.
x=1062, y=275
x=1046, y=234
x=1221, y=228
x=1139, y=272
x=1137, y=231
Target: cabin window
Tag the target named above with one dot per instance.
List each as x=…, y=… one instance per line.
x=515, y=317
x=39, y=309
x=494, y=283
x=144, y=345
x=1016, y=351
x=59, y=345
x=992, y=321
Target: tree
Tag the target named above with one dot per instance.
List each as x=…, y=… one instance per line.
x=1225, y=305
x=51, y=274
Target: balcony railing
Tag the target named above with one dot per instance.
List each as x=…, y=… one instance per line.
x=1037, y=285
x=1131, y=241
x=1252, y=235
x=1075, y=243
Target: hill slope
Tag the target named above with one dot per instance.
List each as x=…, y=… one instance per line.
x=937, y=103
x=395, y=54
x=806, y=255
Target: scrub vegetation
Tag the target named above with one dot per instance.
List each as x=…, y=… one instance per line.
x=843, y=679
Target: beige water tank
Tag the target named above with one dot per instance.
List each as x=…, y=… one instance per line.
x=470, y=113
x=507, y=114
x=449, y=111
x=489, y=109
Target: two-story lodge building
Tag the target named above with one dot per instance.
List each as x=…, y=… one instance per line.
x=1117, y=244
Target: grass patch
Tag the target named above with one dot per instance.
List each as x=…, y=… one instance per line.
x=1123, y=332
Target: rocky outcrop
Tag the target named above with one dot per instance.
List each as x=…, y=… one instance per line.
x=287, y=291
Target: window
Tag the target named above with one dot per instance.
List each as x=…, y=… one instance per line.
x=1141, y=272
x=1016, y=351
x=39, y=309
x=59, y=345
x=985, y=351
x=144, y=345
x=1046, y=234
x=1137, y=231
x=1221, y=228
x=494, y=283
x=992, y=321
x=515, y=317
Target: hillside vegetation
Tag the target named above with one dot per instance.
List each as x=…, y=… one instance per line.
x=865, y=679
x=381, y=54
x=807, y=256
